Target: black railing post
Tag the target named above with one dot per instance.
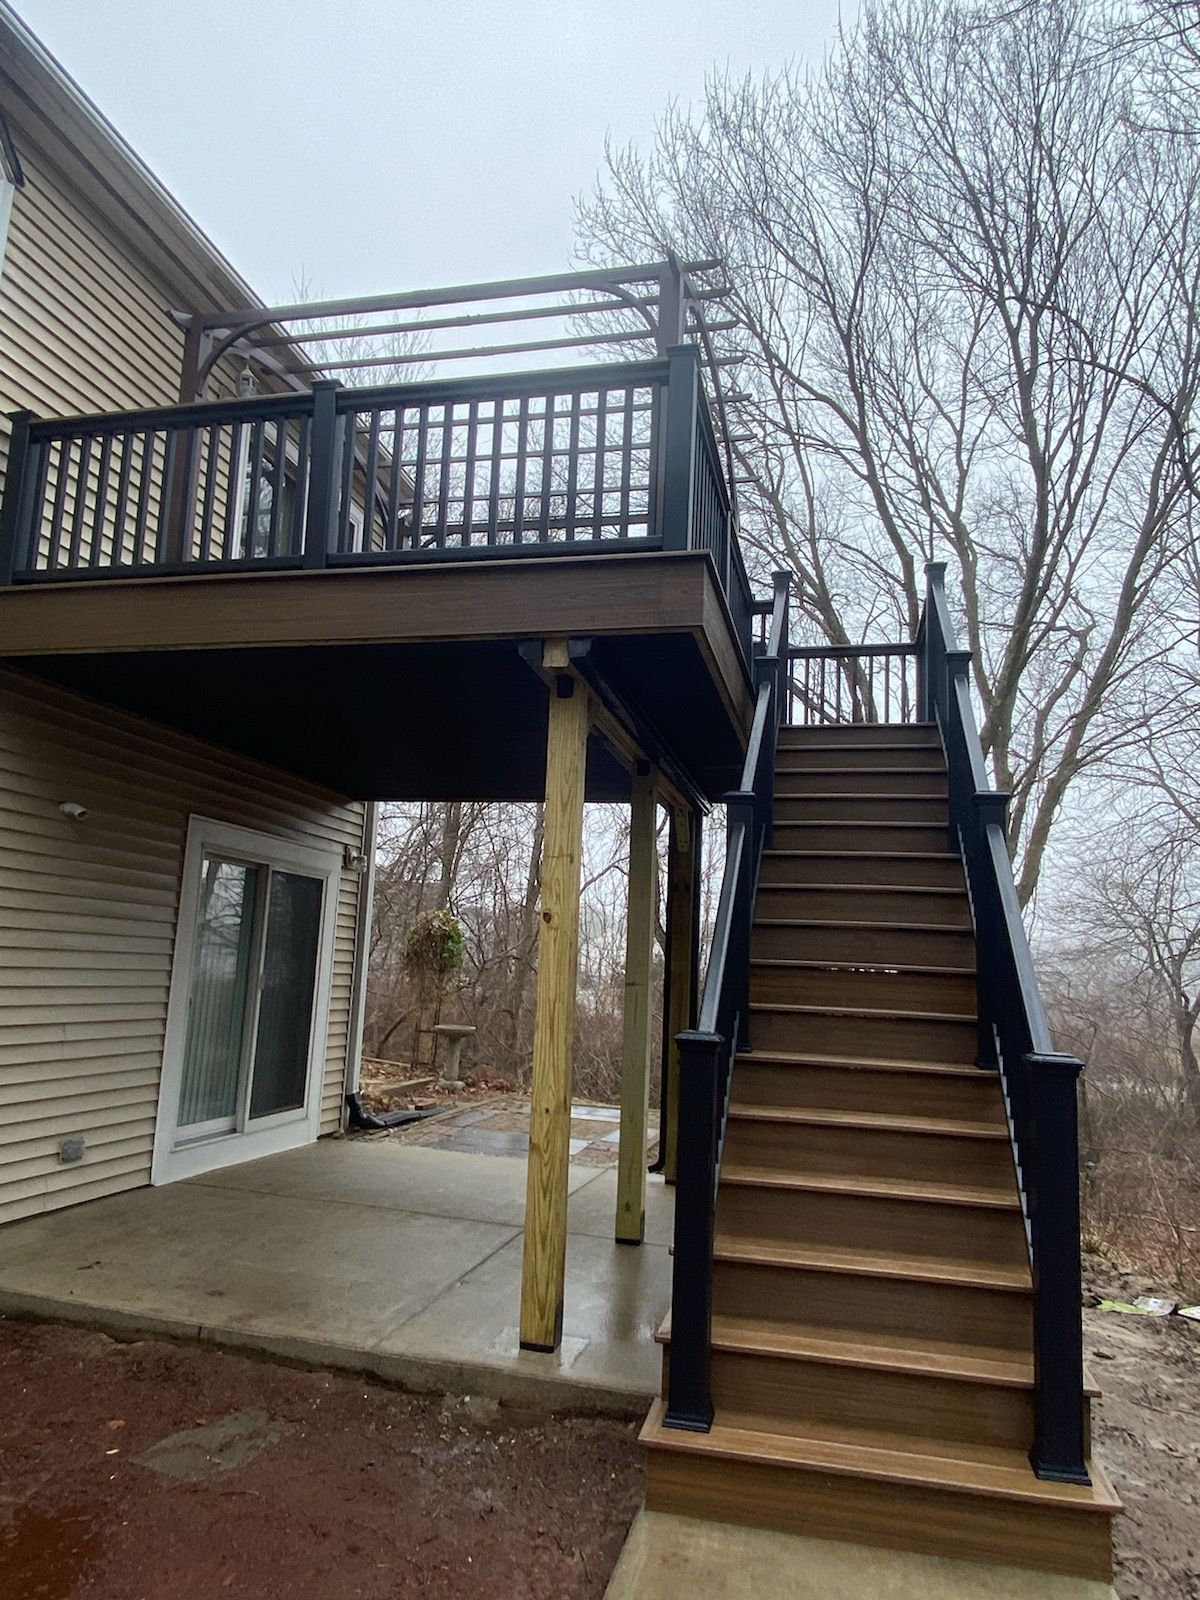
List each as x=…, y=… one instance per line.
x=956, y=666
x=680, y=443
x=179, y=494
x=1059, y=1450
x=933, y=644
x=16, y=513
x=324, y=477
x=689, y=1398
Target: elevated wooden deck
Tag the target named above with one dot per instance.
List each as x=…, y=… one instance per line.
x=357, y=585
x=407, y=682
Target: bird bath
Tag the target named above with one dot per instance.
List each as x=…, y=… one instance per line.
x=454, y=1034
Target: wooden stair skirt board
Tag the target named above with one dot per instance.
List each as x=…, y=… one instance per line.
x=872, y=1356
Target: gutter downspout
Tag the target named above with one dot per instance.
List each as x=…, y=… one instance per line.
x=362, y=941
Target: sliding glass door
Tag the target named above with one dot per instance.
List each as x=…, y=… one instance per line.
x=221, y=997
x=251, y=975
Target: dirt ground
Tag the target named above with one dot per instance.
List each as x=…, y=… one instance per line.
x=1147, y=1434
x=154, y=1471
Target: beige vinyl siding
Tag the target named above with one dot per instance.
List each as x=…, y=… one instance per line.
x=83, y=325
x=83, y=329
x=87, y=927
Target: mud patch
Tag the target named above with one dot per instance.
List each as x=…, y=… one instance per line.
x=43, y=1555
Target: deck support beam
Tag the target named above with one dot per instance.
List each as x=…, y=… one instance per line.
x=680, y=970
x=545, y=1244
x=636, y=1033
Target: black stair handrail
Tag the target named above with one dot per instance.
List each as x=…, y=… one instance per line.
x=1039, y=1083
x=706, y=1052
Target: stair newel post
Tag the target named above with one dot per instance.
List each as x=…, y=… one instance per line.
x=935, y=643
x=741, y=811
x=1059, y=1451
x=921, y=647
x=689, y=1398
x=957, y=665
x=324, y=479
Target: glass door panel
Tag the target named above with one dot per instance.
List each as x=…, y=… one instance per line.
x=223, y=961
x=289, y=971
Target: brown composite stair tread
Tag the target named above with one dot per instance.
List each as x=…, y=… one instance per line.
x=857, y=923
x=861, y=855
x=802, y=731
x=869, y=1013
x=998, y=1474
x=859, y=743
x=848, y=1347
x=876, y=1121
x=839, y=795
x=927, y=791
x=869, y=1264
x=867, y=968
x=857, y=822
x=893, y=771
x=747, y=1175
x=854, y=1063
x=871, y=889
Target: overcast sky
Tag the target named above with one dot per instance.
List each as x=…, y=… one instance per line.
x=378, y=144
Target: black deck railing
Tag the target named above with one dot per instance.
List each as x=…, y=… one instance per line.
x=706, y=1052
x=928, y=683
x=1039, y=1083
x=588, y=460
x=831, y=684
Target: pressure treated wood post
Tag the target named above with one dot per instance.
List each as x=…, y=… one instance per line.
x=545, y=1248
x=679, y=998
x=639, y=978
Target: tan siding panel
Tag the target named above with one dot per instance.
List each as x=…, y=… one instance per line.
x=80, y=330
x=87, y=921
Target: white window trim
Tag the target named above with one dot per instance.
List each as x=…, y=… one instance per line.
x=287, y=1130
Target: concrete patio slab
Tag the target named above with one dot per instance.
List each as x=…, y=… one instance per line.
x=374, y=1256
x=666, y=1555
x=593, y=1208
x=382, y=1172
x=615, y=1297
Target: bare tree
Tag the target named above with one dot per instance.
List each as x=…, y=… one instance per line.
x=966, y=288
